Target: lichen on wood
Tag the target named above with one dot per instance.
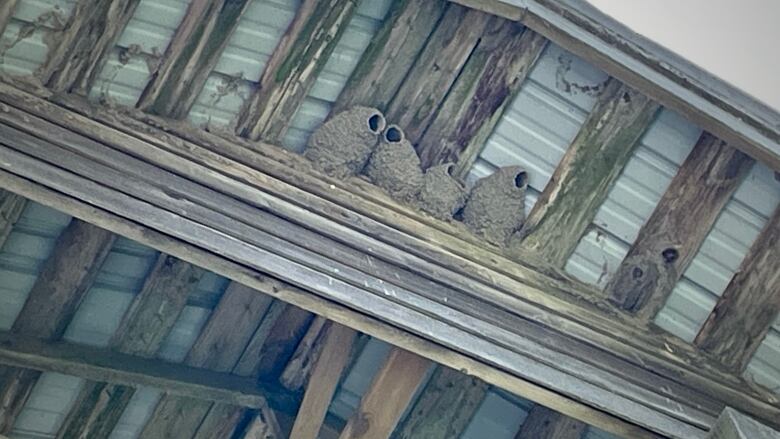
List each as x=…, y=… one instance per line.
x=495, y=208
x=395, y=167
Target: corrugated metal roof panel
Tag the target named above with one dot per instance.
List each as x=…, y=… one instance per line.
x=47, y=406
x=496, y=418
x=138, y=411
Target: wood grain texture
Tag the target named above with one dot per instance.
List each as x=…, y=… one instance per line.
x=6, y=12
x=488, y=82
x=83, y=47
x=436, y=70
x=296, y=372
x=735, y=425
x=293, y=67
x=11, y=208
x=193, y=52
x=327, y=373
x=543, y=423
x=585, y=174
x=391, y=54
x=386, y=399
x=445, y=407
x=671, y=237
x=749, y=305
x=141, y=332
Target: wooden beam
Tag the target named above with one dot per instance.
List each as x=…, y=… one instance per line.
x=669, y=240
x=192, y=54
x=296, y=372
x=103, y=365
x=488, y=82
x=391, y=54
x=436, y=70
x=326, y=375
x=388, y=396
x=586, y=172
x=11, y=208
x=6, y=12
x=749, y=305
x=83, y=47
x=141, y=332
x=543, y=423
x=51, y=304
x=293, y=67
x=734, y=425
x=445, y=407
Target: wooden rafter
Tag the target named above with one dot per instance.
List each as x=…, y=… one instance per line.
x=622, y=342
x=293, y=67
x=6, y=12
x=90, y=34
x=543, y=423
x=749, y=305
x=193, y=52
x=51, y=304
x=669, y=239
x=141, y=332
x=296, y=372
x=11, y=207
x=586, y=172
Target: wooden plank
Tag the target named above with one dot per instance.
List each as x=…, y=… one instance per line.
x=83, y=47
x=388, y=396
x=6, y=12
x=543, y=423
x=391, y=54
x=193, y=52
x=586, y=172
x=749, y=305
x=488, y=82
x=734, y=425
x=11, y=208
x=325, y=378
x=263, y=426
x=436, y=69
x=296, y=372
x=293, y=67
x=141, y=332
x=64, y=280
x=445, y=407
x=669, y=240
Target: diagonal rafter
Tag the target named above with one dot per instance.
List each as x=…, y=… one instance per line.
x=669, y=240
x=11, y=207
x=193, y=52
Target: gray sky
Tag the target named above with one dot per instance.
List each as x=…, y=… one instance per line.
x=738, y=41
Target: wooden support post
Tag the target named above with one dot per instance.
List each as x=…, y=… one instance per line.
x=586, y=172
x=543, y=423
x=82, y=49
x=326, y=375
x=142, y=331
x=669, y=240
x=7, y=8
x=391, y=53
x=386, y=400
x=424, y=88
x=64, y=280
x=445, y=408
x=488, y=82
x=734, y=425
x=293, y=68
x=193, y=52
x=749, y=306
x=11, y=207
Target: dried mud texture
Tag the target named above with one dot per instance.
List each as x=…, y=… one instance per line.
x=395, y=167
x=342, y=145
x=495, y=208
x=441, y=194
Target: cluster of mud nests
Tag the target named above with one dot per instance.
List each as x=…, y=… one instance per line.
x=359, y=141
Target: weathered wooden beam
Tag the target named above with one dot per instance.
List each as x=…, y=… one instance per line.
x=488, y=82
x=669, y=240
x=390, y=393
x=51, y=304
x=445, y=407
x=11, y=208
x=293, y=67
x=437, y=67
x=749, y=305
x=6, y=12
x=326, y=374
x=193, y=52
x=734, y=425
x=390, y=54
x=296, y=372
x=543, y=423
x=141, y=332
x=103, y=365
x=82, y=49
x=586, y=172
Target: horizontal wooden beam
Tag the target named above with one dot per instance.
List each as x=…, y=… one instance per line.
x=734, y=425
x=114, y=367
x=676, y=83
x=507, y=322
